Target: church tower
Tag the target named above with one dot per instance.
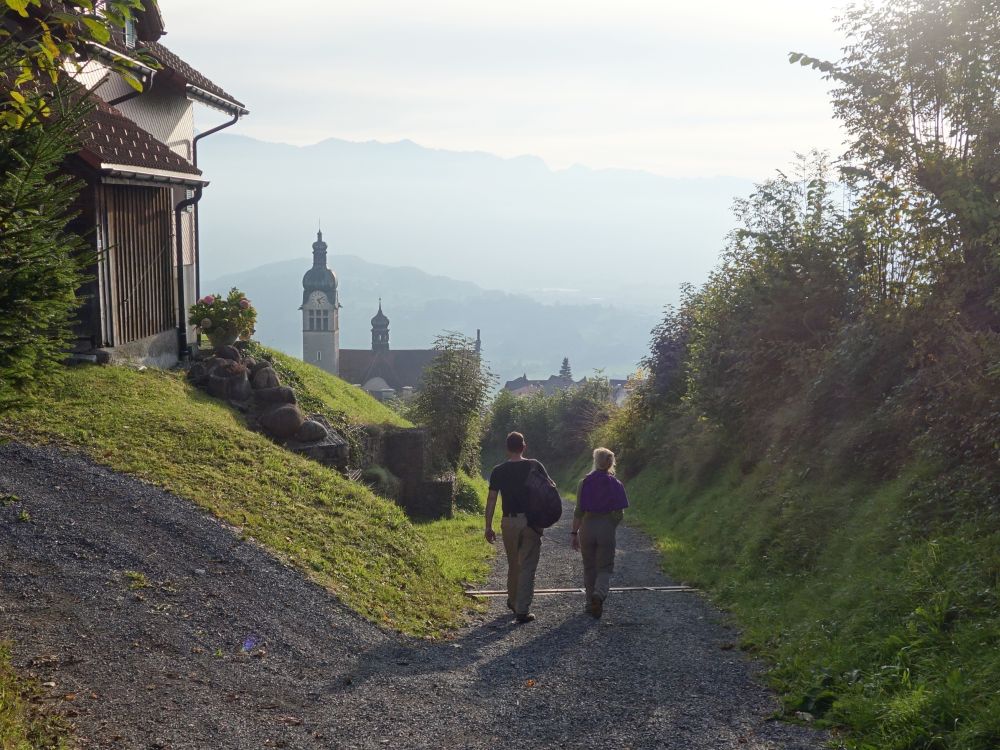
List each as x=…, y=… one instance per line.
x=380, y=330
x=320, y=313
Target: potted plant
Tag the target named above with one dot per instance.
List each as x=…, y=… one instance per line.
x=224, y=319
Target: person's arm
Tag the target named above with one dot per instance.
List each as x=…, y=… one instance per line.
x=577, y=520
x=491, y=504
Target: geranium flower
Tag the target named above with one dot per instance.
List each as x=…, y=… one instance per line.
x=208, y=299
x=245, y=303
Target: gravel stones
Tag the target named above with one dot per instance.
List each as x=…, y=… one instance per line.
x=169, y=666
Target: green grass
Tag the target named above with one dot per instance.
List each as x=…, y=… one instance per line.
x=457, y=544
x=24, y=724
x=318, y=391
x=155, y=426
x=874, y=622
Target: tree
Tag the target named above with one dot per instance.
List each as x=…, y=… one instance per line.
x=565, y=371
x=918, y=91
x=41, y=112
x=452, y=401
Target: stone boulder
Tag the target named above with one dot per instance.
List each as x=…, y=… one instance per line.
x=283, y=422
x=311, y=431
x=228, y=352
x=228, y=380
x=265, y=377
x=281, y=394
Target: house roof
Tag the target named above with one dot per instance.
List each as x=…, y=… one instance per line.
x=198, y=84
x=112, y=140
x=397, y=367
x=549, y=386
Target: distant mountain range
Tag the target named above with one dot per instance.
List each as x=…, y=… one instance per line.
x=520, y=334
x=577, y=235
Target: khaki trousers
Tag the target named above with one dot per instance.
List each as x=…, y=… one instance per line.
x=523, y=545
x=597, y=543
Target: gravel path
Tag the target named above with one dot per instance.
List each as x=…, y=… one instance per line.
x=163, y=666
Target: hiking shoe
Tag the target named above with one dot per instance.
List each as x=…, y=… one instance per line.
x=596, y=607
x=521, y=619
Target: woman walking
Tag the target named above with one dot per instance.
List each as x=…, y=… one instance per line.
x=600, y=502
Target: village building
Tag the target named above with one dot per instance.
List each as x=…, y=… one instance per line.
x=381, y=371
x=139, y=207
x=524, y=386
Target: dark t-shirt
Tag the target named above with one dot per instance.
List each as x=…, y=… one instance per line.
x=508, y=479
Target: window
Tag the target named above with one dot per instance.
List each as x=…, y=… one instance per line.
x=319, y=356
x=312, y=320
x=130, y=33
x=325, y=319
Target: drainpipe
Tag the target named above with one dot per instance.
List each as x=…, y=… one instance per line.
x=197, y=233
x=182, y=342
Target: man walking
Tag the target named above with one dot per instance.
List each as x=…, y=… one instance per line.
x=522, y=543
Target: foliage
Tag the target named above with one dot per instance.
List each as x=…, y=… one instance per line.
x=335, y=531
x=46, y=43
x=41, y=260
x=816, y=439
x=24, y=723
x=382, y=481
x=451, y=402
x=565, y=371
x=232, y=316
x=556, y=427
x=42, y=256
x=470, y=493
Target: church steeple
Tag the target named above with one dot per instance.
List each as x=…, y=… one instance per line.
x=380, y=330
x=319, y=251
x=320, y=312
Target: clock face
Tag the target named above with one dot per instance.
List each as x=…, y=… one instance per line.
x=319, y=298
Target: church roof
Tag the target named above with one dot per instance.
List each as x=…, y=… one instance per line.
x=398, y=367
x=380, y=320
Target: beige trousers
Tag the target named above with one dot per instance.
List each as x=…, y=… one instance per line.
x=597, y=543
x=523, y=545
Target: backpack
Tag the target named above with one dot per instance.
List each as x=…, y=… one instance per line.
x=544, y=504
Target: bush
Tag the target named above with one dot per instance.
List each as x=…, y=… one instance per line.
x=470, y=493
x=382, y=481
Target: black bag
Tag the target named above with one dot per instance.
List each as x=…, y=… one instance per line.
x=544, y=504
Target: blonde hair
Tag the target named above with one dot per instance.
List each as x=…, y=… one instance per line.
x=604, y=460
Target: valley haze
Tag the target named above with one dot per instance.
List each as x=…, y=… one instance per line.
x=610, y=247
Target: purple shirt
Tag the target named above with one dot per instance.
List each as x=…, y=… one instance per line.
x=601, y=492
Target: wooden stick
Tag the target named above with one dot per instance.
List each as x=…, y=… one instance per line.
x=544, y=592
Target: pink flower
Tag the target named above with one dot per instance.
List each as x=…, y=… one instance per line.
x=245, y=303
x=208, y=299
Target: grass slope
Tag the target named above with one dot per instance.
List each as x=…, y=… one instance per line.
x=318, y=391
x=874, y=619
x=24, y=724
x=155, y=426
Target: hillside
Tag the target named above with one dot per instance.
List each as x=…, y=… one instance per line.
x=154, y=426
x=511, y=224
x=520, y=334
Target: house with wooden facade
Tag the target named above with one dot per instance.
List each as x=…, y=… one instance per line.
x=139, y=161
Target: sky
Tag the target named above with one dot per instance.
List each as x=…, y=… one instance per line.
x=682, y=89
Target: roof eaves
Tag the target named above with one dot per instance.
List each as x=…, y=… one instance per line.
x=114, y=55
x=206, y=97
x=146, y=174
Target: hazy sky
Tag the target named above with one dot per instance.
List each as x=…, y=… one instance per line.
x=677, y=88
